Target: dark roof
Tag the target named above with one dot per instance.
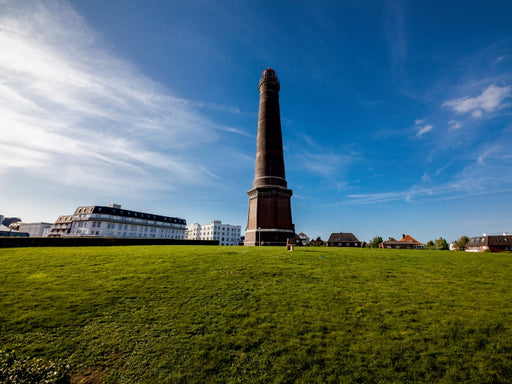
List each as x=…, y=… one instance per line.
x=393, y=242
x=342, y=237
x=127, y=213
x=491, y=240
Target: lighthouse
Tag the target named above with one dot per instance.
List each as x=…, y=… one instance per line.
x=269, y=220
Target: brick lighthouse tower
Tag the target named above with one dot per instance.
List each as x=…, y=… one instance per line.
x=269, y=221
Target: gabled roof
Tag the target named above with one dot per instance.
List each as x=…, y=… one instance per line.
x=406, y=239
x=410, y=239
x=342, y=237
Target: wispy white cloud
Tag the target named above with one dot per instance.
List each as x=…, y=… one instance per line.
x=68, y=107
x=490, y=172
x=325, y=164
x=490, y=100
x=395, y=29
x=424, y=129
x=421, y=128
x=218, y=107
x=454, y=125
x=321, y=161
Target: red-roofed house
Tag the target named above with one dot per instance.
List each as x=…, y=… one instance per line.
x=406, y=242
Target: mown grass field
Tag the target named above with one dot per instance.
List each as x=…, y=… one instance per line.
x=185, y=314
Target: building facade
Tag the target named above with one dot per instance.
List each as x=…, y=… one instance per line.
x=490, y=243
x=225, y=234
x=35, y=229
x=269, y=218
x=61, y=227
x=193, y=232
x=113, y=221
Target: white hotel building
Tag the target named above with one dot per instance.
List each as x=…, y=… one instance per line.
x=113, y=221
x=226, y=234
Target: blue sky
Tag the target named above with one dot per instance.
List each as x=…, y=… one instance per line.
x=396, y=115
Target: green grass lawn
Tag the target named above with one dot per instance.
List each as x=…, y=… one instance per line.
x=187, y=314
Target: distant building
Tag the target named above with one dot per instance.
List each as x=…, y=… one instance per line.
x=318, y=241
x=406, y=242
x=193, y=232
x=61, y=227
x=113, y=221
x=490, y=243
x=226, y=234
x=344, y=240
x=9, y=232
x=35, y=229
x=303, y=238
x=7, y=221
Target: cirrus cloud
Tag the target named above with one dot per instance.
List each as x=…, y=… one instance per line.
x=70, y=107
x=490, y=100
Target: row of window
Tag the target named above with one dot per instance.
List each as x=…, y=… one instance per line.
x=147, y=216
x=482, y=239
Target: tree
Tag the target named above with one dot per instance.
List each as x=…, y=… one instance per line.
x=461, y=243
x=430, y=245
x=441, y=244
x=375, y=242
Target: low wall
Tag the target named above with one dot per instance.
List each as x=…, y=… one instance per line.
x=19, y=242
